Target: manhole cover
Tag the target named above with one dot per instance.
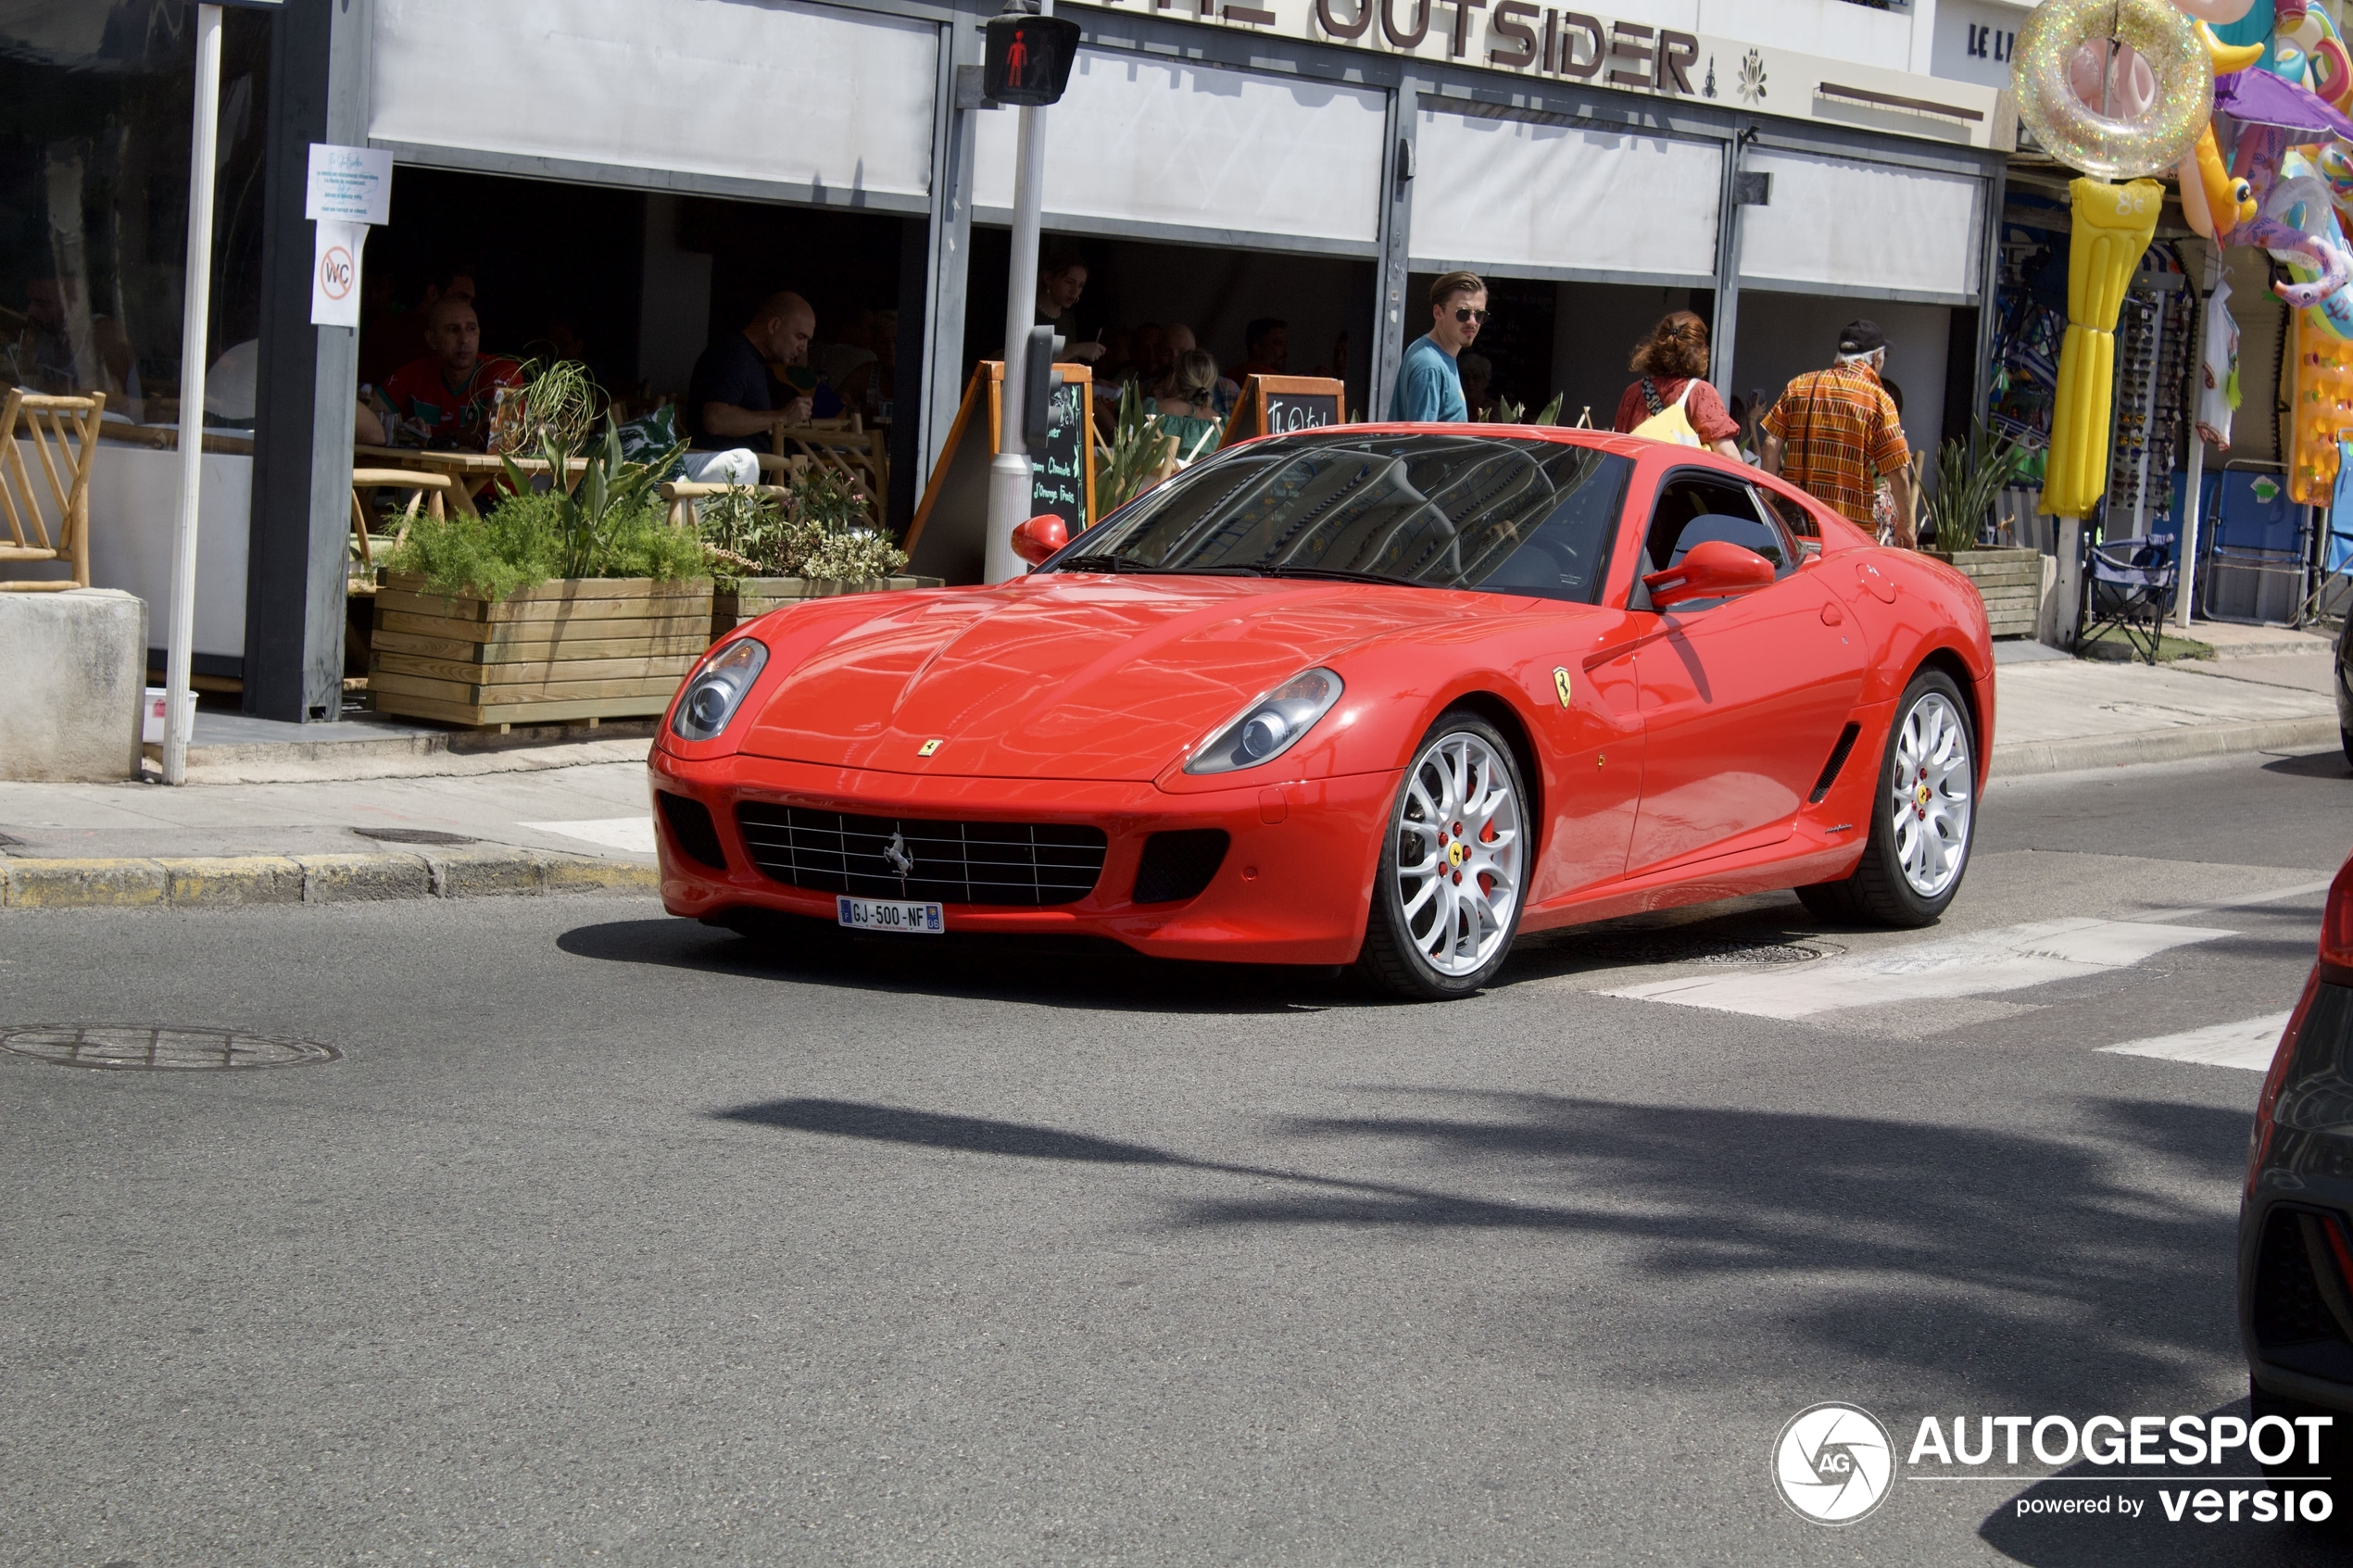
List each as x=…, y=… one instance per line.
x=1668, y=949
x=413, y=835
x=146, y=1046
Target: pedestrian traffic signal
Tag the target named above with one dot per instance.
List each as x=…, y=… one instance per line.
x=1028, y=58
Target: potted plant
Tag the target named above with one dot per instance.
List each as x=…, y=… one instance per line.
x=559, y=604
x=1969, y=477
x=812, y=541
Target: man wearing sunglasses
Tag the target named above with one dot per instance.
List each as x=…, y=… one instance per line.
x=1429, y=381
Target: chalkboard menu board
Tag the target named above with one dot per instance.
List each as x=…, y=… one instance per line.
x=949, y=537
x=1282, y=405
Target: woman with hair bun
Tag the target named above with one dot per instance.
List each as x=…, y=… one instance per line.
x=1674, y=356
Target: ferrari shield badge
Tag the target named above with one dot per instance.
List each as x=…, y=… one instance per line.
x=1560, y=684
x=927, y=749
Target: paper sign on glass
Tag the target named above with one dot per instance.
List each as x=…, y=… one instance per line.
x=335, y=273
x=349, y=184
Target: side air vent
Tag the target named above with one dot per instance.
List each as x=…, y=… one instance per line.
x=1838, y=760
x=1177, y=866
x=692, y=830
x=2302, y=1307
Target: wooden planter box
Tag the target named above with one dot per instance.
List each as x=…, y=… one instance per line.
x=730, y=607
x=2010, y=582
x=577, y=649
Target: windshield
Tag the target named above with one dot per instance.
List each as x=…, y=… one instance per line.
x=1499, y=513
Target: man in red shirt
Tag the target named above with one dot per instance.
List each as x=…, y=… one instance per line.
x=448, y=393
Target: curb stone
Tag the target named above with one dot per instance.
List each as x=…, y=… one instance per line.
x=240, y=880
x=2024, y=758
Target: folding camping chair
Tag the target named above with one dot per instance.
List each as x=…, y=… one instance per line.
x=2131, y=586
x=2337, y=544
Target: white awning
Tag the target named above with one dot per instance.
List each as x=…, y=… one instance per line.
x=1158, y=147
x=769, y=91
x=1525, y=197
x=1870, y=229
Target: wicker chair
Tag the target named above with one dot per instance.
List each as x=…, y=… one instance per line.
x=48, y=520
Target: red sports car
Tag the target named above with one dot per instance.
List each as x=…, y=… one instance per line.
x=1381, y=695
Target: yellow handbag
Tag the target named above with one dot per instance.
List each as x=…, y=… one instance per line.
x=1670, y=423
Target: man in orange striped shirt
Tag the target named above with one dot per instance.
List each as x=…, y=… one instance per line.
x=1835, y=431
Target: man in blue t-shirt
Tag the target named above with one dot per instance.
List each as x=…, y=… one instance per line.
x=1430, y=382
x=728, y=400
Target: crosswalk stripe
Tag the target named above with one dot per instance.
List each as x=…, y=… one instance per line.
x=2011, y=958
x=2249, y=1042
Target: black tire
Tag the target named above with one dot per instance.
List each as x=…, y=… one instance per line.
x=1878, y=892
x=1391, y=959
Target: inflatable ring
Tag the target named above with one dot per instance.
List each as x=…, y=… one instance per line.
x=2331, y=70
x=2077, y=134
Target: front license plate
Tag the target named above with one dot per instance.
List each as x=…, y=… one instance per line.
x=873, y=914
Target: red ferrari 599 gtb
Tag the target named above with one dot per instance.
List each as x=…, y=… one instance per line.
x=1379, y=695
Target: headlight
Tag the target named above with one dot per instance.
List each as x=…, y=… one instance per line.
x=716, y=690
x=1269, y=727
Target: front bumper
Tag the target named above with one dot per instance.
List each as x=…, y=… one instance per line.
x=1294, y=886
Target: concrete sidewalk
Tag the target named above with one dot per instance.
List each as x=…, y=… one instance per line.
x=573, y=816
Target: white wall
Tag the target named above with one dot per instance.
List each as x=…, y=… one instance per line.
x=1783, y=335
x=1832, y=29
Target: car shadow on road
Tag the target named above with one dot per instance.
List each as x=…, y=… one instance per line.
x=2030, y=1268
x=2022, y=1528
x=2317, y=765
x=1097, y=974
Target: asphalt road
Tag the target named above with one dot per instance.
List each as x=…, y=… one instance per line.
x=616, y=1238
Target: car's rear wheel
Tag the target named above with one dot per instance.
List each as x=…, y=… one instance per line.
x=1923, y=815
x=1447, y=891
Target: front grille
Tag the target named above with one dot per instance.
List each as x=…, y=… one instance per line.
x=1179, y=865
x=1019, y=863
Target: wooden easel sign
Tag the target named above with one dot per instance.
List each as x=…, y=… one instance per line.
x=1281, y=405
x=949, y=537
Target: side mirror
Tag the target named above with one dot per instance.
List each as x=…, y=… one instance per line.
x=1040, y=538
x=1715, y=569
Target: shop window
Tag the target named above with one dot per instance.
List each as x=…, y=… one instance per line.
x=93, y=179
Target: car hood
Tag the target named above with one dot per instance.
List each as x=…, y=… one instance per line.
x=1066, y=675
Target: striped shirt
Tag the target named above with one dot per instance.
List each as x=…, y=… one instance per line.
x=1839, y=432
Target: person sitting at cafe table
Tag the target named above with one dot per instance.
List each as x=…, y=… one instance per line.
x=1267, y=349
x=448, y=395
x=728, y=399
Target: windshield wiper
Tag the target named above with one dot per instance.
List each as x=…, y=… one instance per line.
x=1122, y=564
x=1341, y=574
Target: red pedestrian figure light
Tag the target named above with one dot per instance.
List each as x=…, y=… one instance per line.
x=1028, y=59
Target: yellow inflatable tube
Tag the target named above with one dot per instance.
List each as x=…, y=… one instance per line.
x=2113, y=226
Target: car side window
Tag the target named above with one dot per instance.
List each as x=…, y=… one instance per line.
x=1692, y=509
x=1795, y=519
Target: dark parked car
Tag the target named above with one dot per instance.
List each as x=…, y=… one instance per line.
x=2295, y=1218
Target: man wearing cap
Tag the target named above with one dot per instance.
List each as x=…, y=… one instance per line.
x=1835, y=431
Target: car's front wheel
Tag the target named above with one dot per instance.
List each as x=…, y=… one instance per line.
x=1447, y=891
x=1922, y=815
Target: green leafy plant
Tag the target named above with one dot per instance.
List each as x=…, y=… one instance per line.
x=1968, y=476
x=1507, y=412
x=556, y=406
x=819, y=528
x=610, y=489
x=1550, y=413
x=1130, y=462
x=608, y=524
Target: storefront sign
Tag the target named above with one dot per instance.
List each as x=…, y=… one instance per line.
x=1583, y=47
x=1282, y=405
x=349, y=184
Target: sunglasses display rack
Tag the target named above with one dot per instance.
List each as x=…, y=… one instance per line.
x=2152, y=339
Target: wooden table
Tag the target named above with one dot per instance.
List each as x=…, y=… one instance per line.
x=473, y=472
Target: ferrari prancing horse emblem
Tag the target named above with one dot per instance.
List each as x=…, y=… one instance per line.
x=927, y=749
x=1560, y=684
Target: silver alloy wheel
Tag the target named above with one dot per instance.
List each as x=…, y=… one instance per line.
x=1458, y=853
x=1930, y=794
